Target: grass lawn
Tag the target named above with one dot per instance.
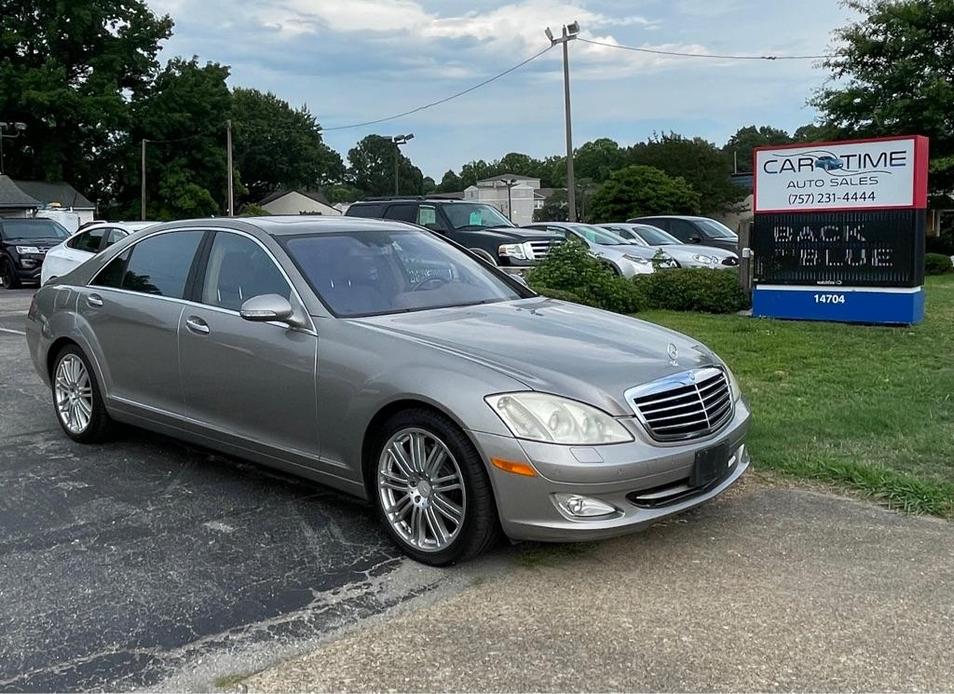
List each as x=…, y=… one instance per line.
x=867, y=407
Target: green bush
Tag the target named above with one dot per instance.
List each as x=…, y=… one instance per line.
x=692, y=289
x=937, y=264
x=570, y=268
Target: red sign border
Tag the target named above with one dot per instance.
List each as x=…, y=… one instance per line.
x=918, y=194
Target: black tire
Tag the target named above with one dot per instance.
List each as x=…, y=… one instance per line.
x=8, y=275
x=101, y=426
x=480, y=528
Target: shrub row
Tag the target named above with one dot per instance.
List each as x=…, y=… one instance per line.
x=937, y=264
x=570, y=273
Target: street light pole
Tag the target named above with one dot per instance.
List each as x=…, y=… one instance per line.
x=399, y=140
x=142, y=182
x=17, y=129
x=510, y=183
x=570, y=33
x=228, y=142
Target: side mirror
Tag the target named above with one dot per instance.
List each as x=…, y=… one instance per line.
x=267, y=307
x=695, y=238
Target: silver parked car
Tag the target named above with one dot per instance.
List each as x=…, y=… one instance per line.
x=687, y=255
x=385, y=361
x=622, y=256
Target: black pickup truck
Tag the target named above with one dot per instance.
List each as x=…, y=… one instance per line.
x=474, y=225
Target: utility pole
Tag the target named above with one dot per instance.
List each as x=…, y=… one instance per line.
x=399, y=140
x=570, y=32
x=228, y=140
x=142, y=181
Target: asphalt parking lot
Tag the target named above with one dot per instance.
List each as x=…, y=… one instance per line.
x=124, y=565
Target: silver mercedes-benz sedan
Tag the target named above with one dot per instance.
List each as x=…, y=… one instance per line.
x=385, y=361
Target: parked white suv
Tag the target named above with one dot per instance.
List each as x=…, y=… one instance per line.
x=83, y=245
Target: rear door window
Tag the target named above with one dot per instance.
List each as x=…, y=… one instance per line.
x=402, y=213
x=682, y=230
x=376, y=211
x=88, y=241
x=160, y=264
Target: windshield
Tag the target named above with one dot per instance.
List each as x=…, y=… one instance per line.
x=603, y=237
x=33, y=230
x=716, y=230
x=369, y=273
x=466, y=215
x=655, y=236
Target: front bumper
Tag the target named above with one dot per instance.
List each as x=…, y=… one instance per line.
x=642, y=480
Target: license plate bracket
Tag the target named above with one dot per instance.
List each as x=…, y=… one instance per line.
x=709, y=465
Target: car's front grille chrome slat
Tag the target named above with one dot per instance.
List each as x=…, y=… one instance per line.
x=684, y=406
x=541, y=249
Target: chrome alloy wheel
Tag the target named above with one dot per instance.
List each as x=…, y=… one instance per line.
x=422, y=490
x=74, y=394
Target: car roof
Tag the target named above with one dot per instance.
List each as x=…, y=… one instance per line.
x=292, y=225
x=670, y=216
x=429, y=201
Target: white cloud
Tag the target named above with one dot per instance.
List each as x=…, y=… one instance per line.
x=518, y=26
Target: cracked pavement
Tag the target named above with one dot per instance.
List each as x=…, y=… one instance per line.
x=149, y=563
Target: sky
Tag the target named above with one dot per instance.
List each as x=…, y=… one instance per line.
x=351, y=61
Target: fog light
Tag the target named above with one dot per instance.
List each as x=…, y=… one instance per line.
x=583, y=506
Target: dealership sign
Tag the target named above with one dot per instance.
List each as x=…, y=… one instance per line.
x=863, y=174
x=839, y=230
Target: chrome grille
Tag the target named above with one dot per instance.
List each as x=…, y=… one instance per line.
x=541, y=249
x=683, y=406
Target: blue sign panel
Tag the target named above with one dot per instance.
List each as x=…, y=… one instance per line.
x=892, y=306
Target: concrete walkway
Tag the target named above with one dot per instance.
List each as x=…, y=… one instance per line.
x=769, y=589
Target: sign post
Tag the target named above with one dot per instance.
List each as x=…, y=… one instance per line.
x=839, y=230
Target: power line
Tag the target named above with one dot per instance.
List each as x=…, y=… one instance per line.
x=444, y=100
x=683, y=54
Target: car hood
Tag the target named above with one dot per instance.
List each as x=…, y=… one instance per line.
x=553, y=346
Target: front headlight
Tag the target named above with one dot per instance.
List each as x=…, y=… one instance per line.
x=28, y=250
x=704, y=259
x=552, y=419
x=636, y=259
x=513, y=250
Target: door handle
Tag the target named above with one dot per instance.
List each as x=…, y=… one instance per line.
x=94, y=300
x=197, y=325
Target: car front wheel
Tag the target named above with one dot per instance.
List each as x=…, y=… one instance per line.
x=77, y=398
x=431, y=489
x=8, y=275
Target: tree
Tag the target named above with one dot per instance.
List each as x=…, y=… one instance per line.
x=372, y=168
x=555, y=208
x=183, y=117
x=276, y=146
x=697, y=161
x=64, y=70
x=635, y=191
x=894, y=75
x=598, y=159
x=450, y=183
x=739, y=147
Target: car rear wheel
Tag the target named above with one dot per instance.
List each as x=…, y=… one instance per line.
x=77, y=398
x=431, y=489
x=8, y=275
